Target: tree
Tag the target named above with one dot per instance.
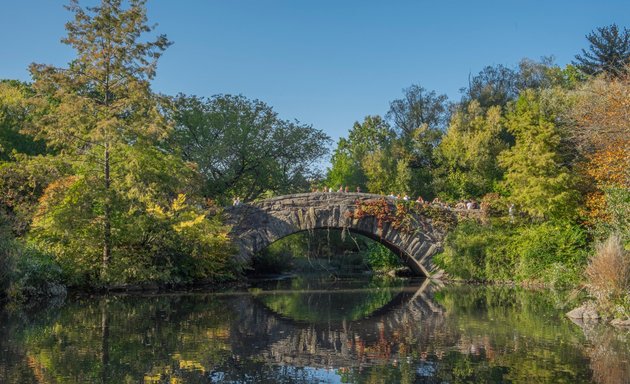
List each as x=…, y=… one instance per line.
x=242, y=148
x=15, y=113
x=419, y=119
x=418, y=108
x=602, y=132
x=492, y=86
x=608, y=52
x=381, y=167
x=467, y=155
x=601, y=113
x=357, y=159
x=102, y=100
x=345, y=168
x=536, y=176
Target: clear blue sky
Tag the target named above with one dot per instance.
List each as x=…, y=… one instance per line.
x=328, y=62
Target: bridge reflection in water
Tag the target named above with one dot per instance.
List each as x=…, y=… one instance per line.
x=297, y=331
x=407, y=321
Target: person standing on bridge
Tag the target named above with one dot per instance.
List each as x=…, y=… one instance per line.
x=358, y=189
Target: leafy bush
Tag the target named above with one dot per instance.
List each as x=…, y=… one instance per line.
x=25, y=273
x=157, y=233
x=552, y=252
x=477, y=252
x=36, y=275
x=549, y=253
x=608, y=277
x=381, y=258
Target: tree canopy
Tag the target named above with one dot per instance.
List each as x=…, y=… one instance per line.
x=608, y=52
x=242, y=148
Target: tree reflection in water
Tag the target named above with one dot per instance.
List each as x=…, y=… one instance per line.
x=419, y=334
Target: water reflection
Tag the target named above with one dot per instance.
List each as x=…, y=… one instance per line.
x=297, y=332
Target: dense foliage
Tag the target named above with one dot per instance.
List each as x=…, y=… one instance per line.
x=242, y=148
x=544, y=149
x=104, y=182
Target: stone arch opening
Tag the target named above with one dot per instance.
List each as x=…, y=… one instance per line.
x=402, y=256
x=256, y=225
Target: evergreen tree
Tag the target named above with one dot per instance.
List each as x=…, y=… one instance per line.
x=536, y=176
x=102, y=101
x=608, y=52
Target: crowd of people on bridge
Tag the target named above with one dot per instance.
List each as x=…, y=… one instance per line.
x=460, y=205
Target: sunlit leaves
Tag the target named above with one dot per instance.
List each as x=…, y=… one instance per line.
x=242, y=148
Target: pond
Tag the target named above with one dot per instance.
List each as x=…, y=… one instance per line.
x=313, y=330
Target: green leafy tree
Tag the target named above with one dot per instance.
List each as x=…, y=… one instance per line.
x=608, y=52
x=359, y=159
x=467, y=155
x=492, y=86
x=103, y=101
x=15, y=114
x=159, y=230
x=345, y=168
x=380, y=168
x=419, y=118
x=242, y=148
x=536, y=174
x=498, y=85
x=418, y=107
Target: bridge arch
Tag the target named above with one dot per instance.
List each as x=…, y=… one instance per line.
x=254, y=226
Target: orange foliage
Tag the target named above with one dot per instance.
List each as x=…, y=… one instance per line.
x=53, y=193
x=603, y=112
x=609, y=167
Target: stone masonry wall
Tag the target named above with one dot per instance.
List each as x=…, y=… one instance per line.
x=256, y=225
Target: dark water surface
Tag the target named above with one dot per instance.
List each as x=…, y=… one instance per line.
x=313, y=331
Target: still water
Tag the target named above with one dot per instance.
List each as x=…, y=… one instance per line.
x=313, y=330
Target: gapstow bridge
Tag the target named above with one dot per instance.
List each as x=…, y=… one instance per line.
x=257, y=224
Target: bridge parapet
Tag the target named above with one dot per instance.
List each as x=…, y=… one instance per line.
x=257, y=224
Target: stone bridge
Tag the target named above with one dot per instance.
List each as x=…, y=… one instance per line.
x=258, y=224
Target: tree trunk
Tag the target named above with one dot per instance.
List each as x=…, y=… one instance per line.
x=107, y=229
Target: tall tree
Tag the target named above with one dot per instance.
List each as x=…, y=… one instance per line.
x=608, y=52
x=492, y=86
x=345, y=168
x=467, y=155
x=536, y=175
x=602, y=131
x=242, y=148
x=418, y=108
x=103, y=101
x=419, y=118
